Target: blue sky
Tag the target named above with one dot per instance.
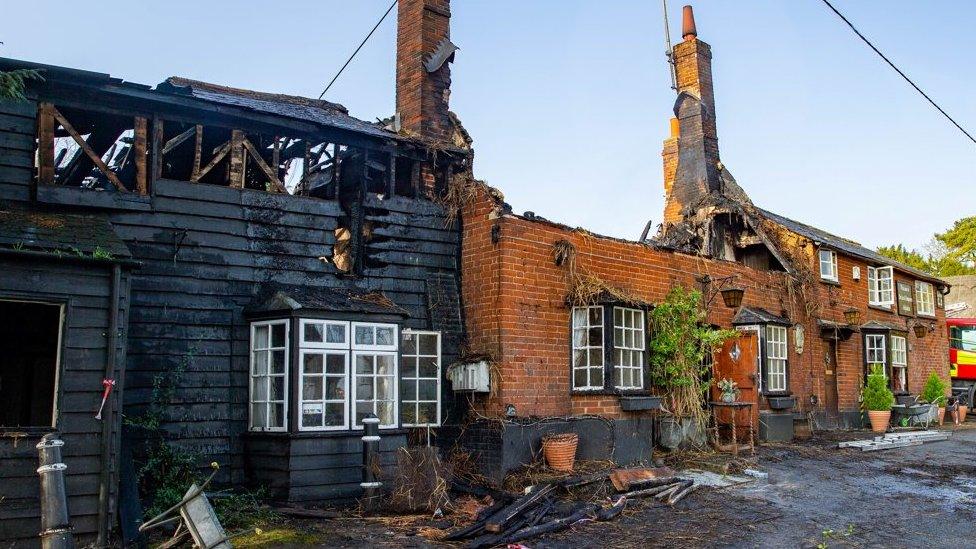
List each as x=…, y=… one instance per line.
x=568, y=101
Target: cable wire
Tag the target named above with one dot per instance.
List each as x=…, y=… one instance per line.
x=903, y=75
x=361, y=44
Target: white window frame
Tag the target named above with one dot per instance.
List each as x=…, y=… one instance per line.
x=586, y=347
x=777, y=352
x=899, y=360
x=305, y=344
x=924, y=299
x=875, y=348
x=395, y=346
x=302, y=353
x=267, y=375
x=416, y=402
x=831, y=264
x=881, y=290
x=636, y=350
x=395, y=376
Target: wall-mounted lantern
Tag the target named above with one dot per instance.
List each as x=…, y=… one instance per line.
x=852, y=317
x=732, y=297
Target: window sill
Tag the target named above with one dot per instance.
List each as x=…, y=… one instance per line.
x=830, y=282
x=326, y=434
x=881, y=308
x=926, y=315
x=611, y=392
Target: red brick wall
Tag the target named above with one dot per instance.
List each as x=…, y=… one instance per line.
x=515, y=310
x=421, y=97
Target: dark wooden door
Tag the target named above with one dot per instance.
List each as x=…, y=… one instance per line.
x=736, y=360
x=830, y=383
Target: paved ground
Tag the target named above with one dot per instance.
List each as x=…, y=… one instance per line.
x=816, y=496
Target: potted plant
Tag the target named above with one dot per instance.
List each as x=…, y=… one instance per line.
x=877, y=399
x=679, y=346
x=730, y=390
x=934, y=393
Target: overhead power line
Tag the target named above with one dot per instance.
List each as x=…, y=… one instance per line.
x=903, y=75
x=361, y=44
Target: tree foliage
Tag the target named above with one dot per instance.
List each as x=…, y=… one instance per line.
x=12, y=83
x=951, y=253
x=960, y=241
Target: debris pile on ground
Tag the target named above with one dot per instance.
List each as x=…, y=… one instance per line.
x=896, y=440
x=557, y=503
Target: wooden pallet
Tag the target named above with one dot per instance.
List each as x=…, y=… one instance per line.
x=896, y=440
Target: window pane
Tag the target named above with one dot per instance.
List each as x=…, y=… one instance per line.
x=384, y=410
x=596, y=337
x=259, y=388
x=428, y=389
x=408, y=389
x=428, y=344
x=258, y=412
x=276, y=415
x=596, y=357
x=311, y=415
x=278, y=362
x=261, y=337
x=335, y=414
x=384, y=388
x=335, y=388
x=579, y=337
x=596, y=316
x=335, y=333
x=579, y=316
x=579, y=359
x=384, y=365
x=618, y=316
x=260, y=362
x=596, y=377
x=364, y=388
x=313, y=364
x=277, y=335
x=364, y=335
x=409, y=344
x=408, y=413
x=312, y=388
x=384, y=336
x=335, y=363
x=427, y=413
x=313, y=332
x=277, y=388
x=364, y=364
x=408, y=366
x=579, y=377
x=428, y=367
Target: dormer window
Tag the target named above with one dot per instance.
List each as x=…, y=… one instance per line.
x=828, y=265
x=881, y=292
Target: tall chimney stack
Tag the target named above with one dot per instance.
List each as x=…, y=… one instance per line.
x=696, y=173
x=423, y=72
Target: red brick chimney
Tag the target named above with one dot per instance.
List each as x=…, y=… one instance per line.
x=423, y=72
x=696, y=171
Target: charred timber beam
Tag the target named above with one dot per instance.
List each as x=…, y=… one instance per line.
x=197, y=151
x=272, y=177
x=45, y=144
x=95, y=158
x=235, y=172
x=140, y=130
x=178, y=140
x=156, y=152
x=220, y=154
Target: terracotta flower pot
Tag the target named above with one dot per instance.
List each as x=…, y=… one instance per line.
x=941, y=414
x=962, y=412
x=879, y=420
x=560, y=450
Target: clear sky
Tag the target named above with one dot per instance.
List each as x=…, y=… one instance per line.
x=568, y=101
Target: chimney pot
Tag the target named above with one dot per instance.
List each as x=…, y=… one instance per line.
x=688, y=30
x=675, y=127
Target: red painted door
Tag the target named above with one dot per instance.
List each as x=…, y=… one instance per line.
x=736, y=360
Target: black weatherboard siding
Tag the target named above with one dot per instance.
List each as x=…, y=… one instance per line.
x=196, y=256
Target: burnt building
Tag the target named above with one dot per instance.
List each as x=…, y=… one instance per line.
x=253, y=272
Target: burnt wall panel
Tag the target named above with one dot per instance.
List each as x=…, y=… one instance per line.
x=84, y=289
x=17, y=123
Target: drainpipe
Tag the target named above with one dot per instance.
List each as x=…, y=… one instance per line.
x=55, y=519
x=104, y=487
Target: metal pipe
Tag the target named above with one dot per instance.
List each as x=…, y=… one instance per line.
x=108, y=418
x=55, y=519
x=371, y=458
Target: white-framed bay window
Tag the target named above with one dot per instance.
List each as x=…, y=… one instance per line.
x=629, y=343
x=776, y=359
x=268, y=387
x=587, y=348
x=828, y=265
x=924, y=298
x=881, y=286
x=899, y=364
x=420, y=378
x=325, y=383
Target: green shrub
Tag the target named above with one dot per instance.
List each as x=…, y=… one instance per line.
x=876, y=396
x=934, y=390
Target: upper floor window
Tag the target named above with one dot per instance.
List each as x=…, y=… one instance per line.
x=269, y=380
x=776, y=359
x=588, y=348
x=628, y=348
x=924, y=298
x=828, y=265
x=881, y=292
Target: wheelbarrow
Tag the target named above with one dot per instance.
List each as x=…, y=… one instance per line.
x=199, y=521
x=917, y=414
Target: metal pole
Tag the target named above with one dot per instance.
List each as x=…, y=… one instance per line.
x=667, y=42
x=371, y=459
x=55, y=523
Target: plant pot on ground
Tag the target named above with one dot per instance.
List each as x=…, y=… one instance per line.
x=560, y=450
x=934, y=392
x=877, y=399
